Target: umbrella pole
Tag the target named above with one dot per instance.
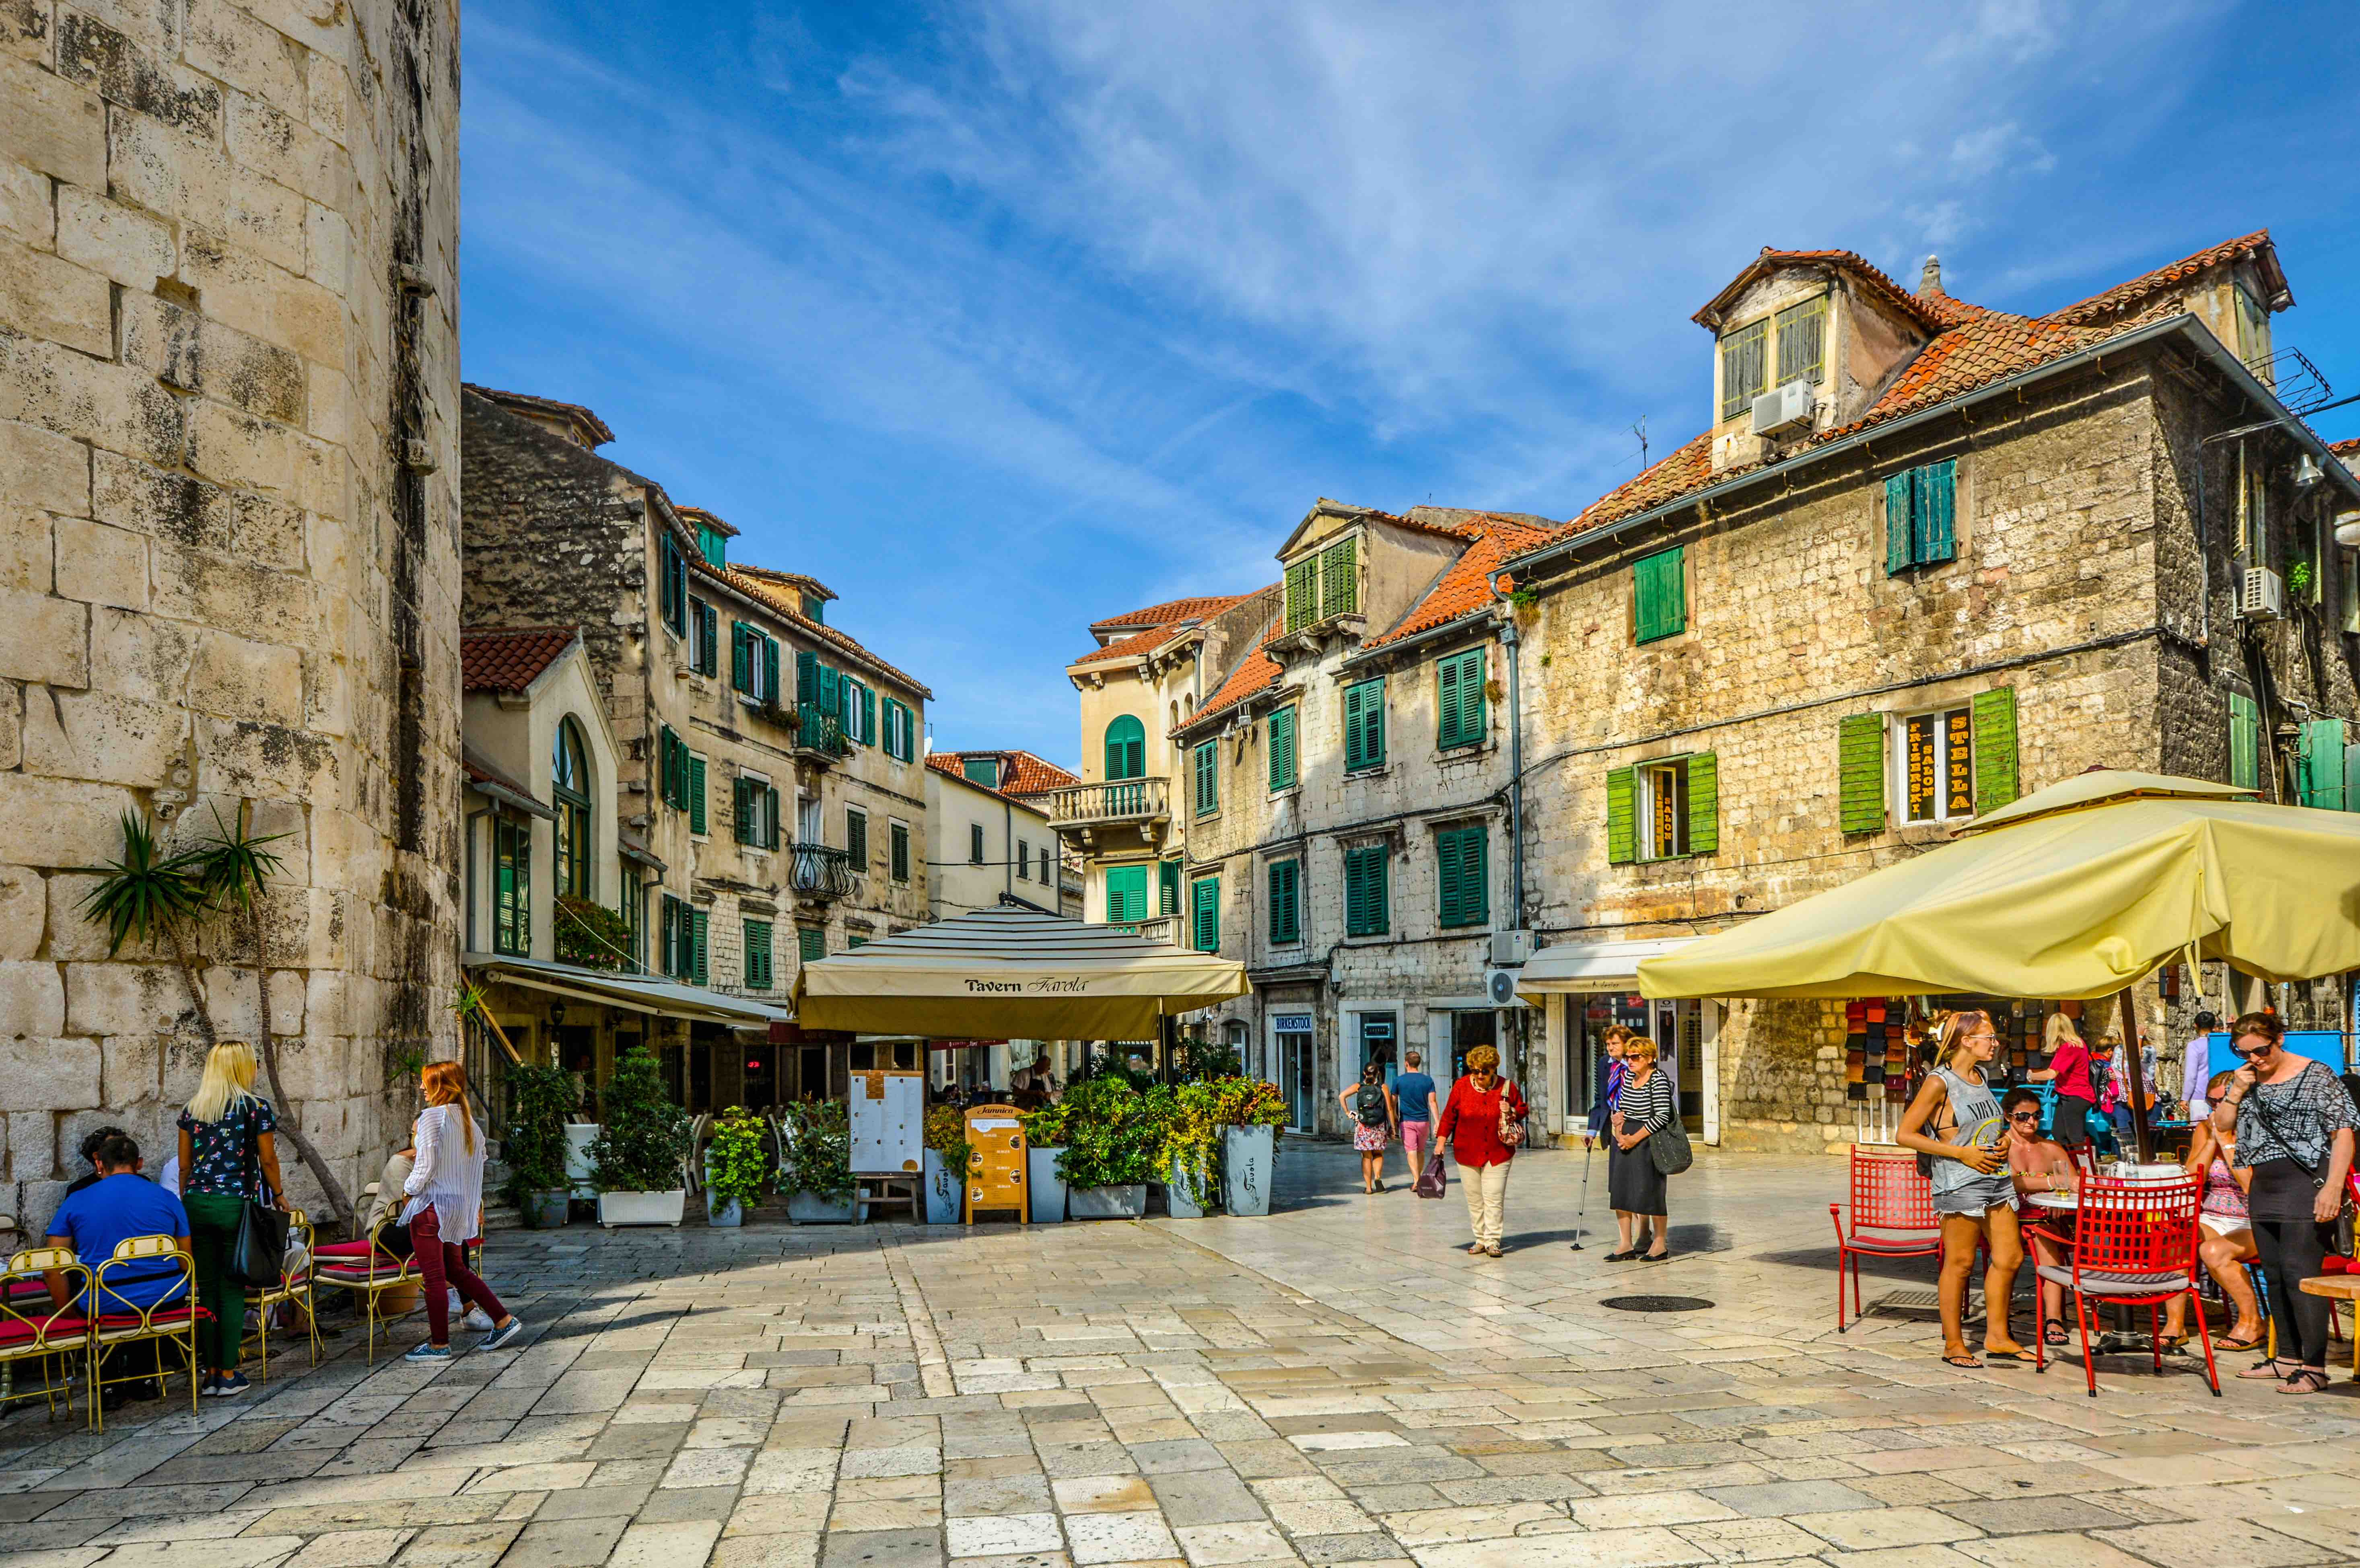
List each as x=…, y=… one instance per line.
x=2131, y=1054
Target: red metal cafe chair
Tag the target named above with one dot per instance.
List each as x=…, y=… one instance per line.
x=172, y=1322
x=1892, y=1216
x=370, y=1273
x=36, y=1332
x=2134, y=1244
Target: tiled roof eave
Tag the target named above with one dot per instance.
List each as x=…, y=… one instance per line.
x=1441, y=631
x=825, y=636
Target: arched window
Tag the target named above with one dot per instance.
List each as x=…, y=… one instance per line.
x=569, y=781
x=1126, y=748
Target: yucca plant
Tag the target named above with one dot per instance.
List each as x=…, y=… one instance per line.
x=149, y=894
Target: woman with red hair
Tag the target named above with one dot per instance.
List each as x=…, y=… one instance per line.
x=446, y=1199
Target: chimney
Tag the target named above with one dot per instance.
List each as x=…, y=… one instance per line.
x=1929, y=281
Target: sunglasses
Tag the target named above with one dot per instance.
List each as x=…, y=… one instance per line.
x=2024, y=1116
x=2252, y=1055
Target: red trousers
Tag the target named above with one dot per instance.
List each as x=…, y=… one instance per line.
x=445, y=1264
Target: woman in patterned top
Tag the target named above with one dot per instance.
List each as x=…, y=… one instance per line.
x=229, y=1152
x=2294, y=1133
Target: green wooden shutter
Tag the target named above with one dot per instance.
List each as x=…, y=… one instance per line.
x=1380, y=888
x=770, y=820
x=806, y=676
x=1365, y=724
x=695, y=793
x=1475, y=874
x=1860, y=765
x=898, y=851
x=1167, y=888
x=1899, y=521
x=1660, y=589
x=703, y=919
x=1356, y=895
x=1286, y=912
x=1206, y=925
x=1446, y=705
x=1995, y=724
x=1935, y=533
x=741, y=791
x=1339, y=580
x=757, y=956
x=2322, y=764
x=1447, y=896
x=708, y=634
x=1302, y=592
x=770, y=669
x=1474, y=724
x=1621, y=816
x=1355, y=697
x=1281, y=748
x=1208, y=777
x=867, y=716
x=1365, y=872
x=811, y=945
x=830, y=686
x=666, y=950
x=1704, y=803
x=1126, y=894
x=2352, y=777
x=2244, y=743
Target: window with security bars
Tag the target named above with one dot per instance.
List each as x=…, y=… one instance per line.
x=1368, y=869
x=1285, y=902
x=1743, y=368
x=1459, y=699
x=758, y=955
x=1324, y=585
x=1921, y=517
x=1803, y=341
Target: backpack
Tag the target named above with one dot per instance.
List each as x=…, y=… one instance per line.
x=1369, y=1105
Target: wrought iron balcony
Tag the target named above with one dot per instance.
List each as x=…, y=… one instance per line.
x=816, y=871
x=820, y=732
x=1121, y=800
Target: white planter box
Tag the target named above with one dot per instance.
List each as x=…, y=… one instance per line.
x=1248, y=1157
x=803, y=1208
x=1177, y=1198
x=946, y=1189
x=641, y=1208
x=578, y=1139
x=1124, y=1203
x=1047, y=1188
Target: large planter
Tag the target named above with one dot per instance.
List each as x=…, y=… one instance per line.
x=642, y=1208
x=1048, y=1188
x=809, y=1208
x=727, y=1216
x=1248, y=1156
x=1124, y=1203
x=1178, y=1200
x=546, y=1210
x=944, y=1188
x=578, y=1139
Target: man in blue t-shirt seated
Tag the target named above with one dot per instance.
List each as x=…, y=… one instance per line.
x=120, y=1204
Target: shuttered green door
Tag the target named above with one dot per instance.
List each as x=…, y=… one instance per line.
x=2244, y=743
x=1621, y=817
x=1126, y=894
x=1206, y=924
x=1860, y=753
x=1285, y=902
x=1995, y=722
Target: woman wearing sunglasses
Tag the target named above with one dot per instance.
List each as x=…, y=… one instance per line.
x=2039, y=1165
x=1954, y=1121
x=2294, y=1133
x=2224, y=1241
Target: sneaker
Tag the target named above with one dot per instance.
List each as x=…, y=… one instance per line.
x=231, y=1386
x=428, y=1352
x=476, y=1319
x=210, y=1387
x=500, y=1336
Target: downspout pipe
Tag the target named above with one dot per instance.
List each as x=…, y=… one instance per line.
x=1510, y=643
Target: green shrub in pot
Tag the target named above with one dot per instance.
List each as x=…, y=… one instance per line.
x=1114, y=1134
x=540, y=1100
x=737, y=1171
x=645, y=1137
x=946, y=1136
x=819, y=1151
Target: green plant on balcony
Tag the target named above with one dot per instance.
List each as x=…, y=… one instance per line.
x=591, y=935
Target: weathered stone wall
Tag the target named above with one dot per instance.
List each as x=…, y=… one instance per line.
x=228, y=545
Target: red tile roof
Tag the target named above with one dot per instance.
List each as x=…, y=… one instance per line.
x=2345, y=449
x=1859, y=265
x=589, y=427
x=509, y=659
x=1030, y=775
x=769, y=589
x=2112, y=302
x=1172, y=610
x=1466, y=584
x=1131, y=646
x=1257, y=672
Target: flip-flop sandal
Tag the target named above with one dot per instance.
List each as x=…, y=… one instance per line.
x=1961, y=1361
x=2307, y=1381
x=2025, y=1356
x=2236, y=1346
x=2055, y=1333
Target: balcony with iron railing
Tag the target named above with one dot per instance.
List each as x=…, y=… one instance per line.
x=818, y=871
x=1110, y=804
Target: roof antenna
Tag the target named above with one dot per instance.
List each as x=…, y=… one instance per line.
x=1640, y=430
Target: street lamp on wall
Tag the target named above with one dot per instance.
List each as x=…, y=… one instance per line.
x=557, y=1012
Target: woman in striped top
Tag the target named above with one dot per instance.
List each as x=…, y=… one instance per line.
x=1635, y=1189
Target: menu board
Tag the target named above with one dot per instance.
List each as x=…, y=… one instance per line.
x=995, y=1172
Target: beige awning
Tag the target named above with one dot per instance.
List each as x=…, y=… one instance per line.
x=1009, y=972
x=1579, y=966
x=639, y=993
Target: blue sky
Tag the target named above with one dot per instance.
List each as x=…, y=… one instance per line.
x=1002, y=318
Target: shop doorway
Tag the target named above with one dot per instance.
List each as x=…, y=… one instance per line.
x=576, y=1046
x=1376, y=1038
x=1468, y=1031
x=1678, y=1028
x=1290, y=1036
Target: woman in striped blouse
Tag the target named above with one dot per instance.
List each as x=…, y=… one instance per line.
x=1635, y=1189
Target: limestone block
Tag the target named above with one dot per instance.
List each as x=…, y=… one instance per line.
x=315, y=1067
x=287, y=997
x=328, y=96
x=24, y=911
x=230, y=997
x=44, y=639
x=103, y=737
x=328, y=29
x=44, y=470
x=247, y=757
x=28, y=211
x=154, y=25
x=327, y=247
x=130, y=1067
x=225, y=211
x=185, y=350
x=49, y=1074
x=224, y=42
x=262, y=297
x=140, y=656
x=32, y=1000
x=235, y=448
x=90, y=51
x=330, y=401
x=115, y=406
x=131, y=494
x=27, y=30
x=37, y=1195
x=242, y=679
x=217, y=590
x=129, y=246
x=323, y=1001
x=101, y=564
x=45, y=296
x=51, y=125
x=269, y=532
x=327, y=703
x=124, y=999
x=60, y=821
x=26, y=552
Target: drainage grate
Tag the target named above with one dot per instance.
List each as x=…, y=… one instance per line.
x=1657, y=1303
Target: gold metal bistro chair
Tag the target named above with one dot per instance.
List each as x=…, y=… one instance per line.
x=369, y=1275
x=294, y=1285
x=167, y=1323
x=32, y=1329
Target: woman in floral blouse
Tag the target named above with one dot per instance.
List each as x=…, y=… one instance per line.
x=228, y=1153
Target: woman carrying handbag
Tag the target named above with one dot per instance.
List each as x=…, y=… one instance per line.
x=1637, y=1188
x=227, y=1140
x=1483, y=1123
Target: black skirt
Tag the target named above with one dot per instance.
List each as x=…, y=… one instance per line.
x=1634, y=1185
x=2281, y=1191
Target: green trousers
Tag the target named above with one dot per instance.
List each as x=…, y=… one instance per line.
x=213, y=1232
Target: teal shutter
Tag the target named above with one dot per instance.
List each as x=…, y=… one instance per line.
x=1285, y=902
x=1474, y=723
x=1208, y=777
x=811, y=945
x=1354, y=697
x=1365, y=724
x=1995, y=726
x=867, y=716
x=1365, y=872
x=1463, y=873
x=695, y=793
x=770, y=669
x=741, y=793
x=806, y=676
x=2322, y=764
x=1459, y=699
x=1126, y=894
x=830, y=689
x=1704, y=803
x=1167, y=888
x=1281, y=748
x=1860, y=769
x=1621, y=817
x=1898, y=522
x=703, y=919
x=1660, y=590
x=1937, y=504
x=708, y=634
x=1207, y=924
x=666, y=949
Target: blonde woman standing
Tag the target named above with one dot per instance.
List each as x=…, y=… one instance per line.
x=1955, y=1121
x=2069, y=1069
x=446, y=1206
x=1637, y=1192
x=229, y=1153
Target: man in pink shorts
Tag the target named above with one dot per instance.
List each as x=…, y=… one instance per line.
x=1414, y=1094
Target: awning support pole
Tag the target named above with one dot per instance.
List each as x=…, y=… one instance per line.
x=2138, y=1077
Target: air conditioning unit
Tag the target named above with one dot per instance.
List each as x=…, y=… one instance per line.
x=1510, y=948
x=2262, y=596
x=1500, y=986
x=1783, y=410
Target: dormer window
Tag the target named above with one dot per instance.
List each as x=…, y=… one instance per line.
x=713, y=545
x=1803, y=341
x=1743, y=361
x=1321, y=586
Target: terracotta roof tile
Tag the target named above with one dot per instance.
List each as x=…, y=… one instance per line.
x=2347, y=450
x=767, y=587
x=1172, y=610
x=1466, y=584
x=509, y=659
x=2122, y=296
x=589, y=426
x=1131, y=646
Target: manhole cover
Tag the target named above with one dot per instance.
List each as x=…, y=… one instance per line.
x=1657, y=1303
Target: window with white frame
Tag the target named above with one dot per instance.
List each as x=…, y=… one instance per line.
x=1934, y=759
x=1663, y=803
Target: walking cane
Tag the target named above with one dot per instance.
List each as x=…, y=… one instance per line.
x=1588, y=1149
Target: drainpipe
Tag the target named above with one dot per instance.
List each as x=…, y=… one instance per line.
x=1510, y=642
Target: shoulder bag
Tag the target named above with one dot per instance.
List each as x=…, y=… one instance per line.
x=1668, y=1145
x=1512, y=1129
x=257, y=1257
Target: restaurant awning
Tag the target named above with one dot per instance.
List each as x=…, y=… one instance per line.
x=2072, y=893
x=1013, y=974
x=639, y=993
x=1572, y=966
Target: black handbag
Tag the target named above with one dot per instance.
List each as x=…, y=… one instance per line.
x=1669, y=1147
x=257, y=1257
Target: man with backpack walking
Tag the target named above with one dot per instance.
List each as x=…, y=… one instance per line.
x=1374, y=1118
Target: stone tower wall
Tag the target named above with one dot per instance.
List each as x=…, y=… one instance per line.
x=228, y=549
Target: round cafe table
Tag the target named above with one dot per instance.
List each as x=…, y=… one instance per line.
x=2339, y=1288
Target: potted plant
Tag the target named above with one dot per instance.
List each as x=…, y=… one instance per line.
x=1192, y=1128
x=540, y=1100
x=1113, y=1140
x=736, y=1169
x=1044, y=1146
x=635, y=1160
x=947, y=1155
x=1250, y=1112
x=816, y=1165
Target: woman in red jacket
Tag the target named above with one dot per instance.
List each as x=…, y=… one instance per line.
x=1470, y=1125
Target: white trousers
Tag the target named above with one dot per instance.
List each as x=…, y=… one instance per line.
x=1487, y=1198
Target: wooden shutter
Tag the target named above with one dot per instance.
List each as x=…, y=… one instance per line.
x=1208, y=777
x=1899, y=523
x=1994, y=721
x=1461, y=875
x=1802, y=340
x=702, y=921
x=1339, y=580
x=1355, y=698
x=867, y=716
x=1126, y=894
x=1207, y=924
x=2321, y=763
x=771, y=818
x=1661, y=590
x=830, y=688
x=695, y=793
x=1281, y=748
x=741, y=794
x=1449, y=679
x=1302, y=592
x=811, y=945
x=1741, y=368
x=806, y=676
x=770, y=669
x=1365, y=872
x=1167, y=890
x=1448, y=898
x=898, y=848
x=2244, y=743
x=1365, y=724
x=1621, y=816
x=666, y=950
x=1285, y=911
x=1860, y=766
x=1933, y=530
x=1704, y=803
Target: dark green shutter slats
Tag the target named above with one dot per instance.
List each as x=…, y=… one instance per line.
x=1302, y=593
x=1459, y=699
x=703, y=919
x=1285, y=902
x=2244, y=743
x=742, y=791
x=806, y=676
x=1366, y=869
x=771, y=821
x=1167, y=888
x=1994, y=727
x=1899, y=520
x=1126, y=894
x=1462, y=876
x=867, y=716
x=811, y=945
x=1937, y=504
x=695, y=793
x=708, y=634
x=1660, y=594
x=1207, y=910
x=1365, y=724
x=1281, y=748
x=1339, y=580
x=1704, y=803
x=1860, y=765
x=770, y=669
x=1208, y=777
x=1621, y=817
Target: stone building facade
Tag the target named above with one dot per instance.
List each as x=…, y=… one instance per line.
x=1973, y=554
x=229, y=556
x=774, y=798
